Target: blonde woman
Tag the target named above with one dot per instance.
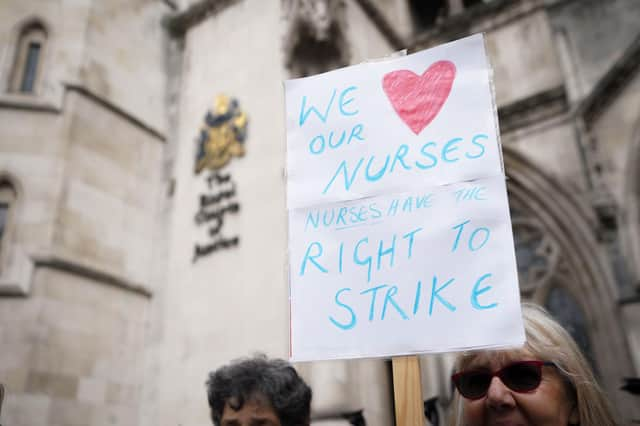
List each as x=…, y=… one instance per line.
x=547, y=382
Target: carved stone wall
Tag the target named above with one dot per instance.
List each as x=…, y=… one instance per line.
x=314, y=39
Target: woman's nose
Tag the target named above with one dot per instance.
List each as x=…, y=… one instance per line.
x=499, y=396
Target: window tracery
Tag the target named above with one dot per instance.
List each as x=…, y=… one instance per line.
x=544, y=275
x=537, y=255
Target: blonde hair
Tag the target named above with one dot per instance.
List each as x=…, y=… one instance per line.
x=547, y=340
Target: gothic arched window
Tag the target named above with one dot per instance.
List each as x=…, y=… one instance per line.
x=27, y=65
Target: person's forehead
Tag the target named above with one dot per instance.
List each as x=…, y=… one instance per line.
x=255, y=400
x=496, y=358
x=254, y=408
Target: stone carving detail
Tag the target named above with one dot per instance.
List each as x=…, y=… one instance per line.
x=314, y=40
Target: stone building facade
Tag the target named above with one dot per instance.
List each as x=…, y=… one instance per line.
x=118, y=295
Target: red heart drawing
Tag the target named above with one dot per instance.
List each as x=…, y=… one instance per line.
x=418, y=99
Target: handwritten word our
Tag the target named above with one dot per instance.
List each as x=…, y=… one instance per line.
x=360, y=214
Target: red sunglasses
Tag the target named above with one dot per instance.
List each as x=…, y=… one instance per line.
x=520, y=376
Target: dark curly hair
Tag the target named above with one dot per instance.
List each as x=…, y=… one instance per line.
x=273, y=379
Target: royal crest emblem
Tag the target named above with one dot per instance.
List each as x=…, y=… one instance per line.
x=220, y=138
x=222, y=135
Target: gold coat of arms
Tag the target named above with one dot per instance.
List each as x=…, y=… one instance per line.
x=222, y=136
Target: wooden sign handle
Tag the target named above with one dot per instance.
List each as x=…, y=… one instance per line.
x=407, y=391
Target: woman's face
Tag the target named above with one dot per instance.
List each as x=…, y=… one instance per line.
x=547, y=405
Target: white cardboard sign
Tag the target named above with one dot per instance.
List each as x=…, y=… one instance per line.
x=399, y=232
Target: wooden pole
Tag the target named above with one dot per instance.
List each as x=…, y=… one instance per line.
x=407, y=391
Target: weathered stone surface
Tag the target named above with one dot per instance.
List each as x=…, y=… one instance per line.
x=20, y=409
x=103, y=156
x=66, y=412
x=92, y=391
x=522, y=67
x=52, y=384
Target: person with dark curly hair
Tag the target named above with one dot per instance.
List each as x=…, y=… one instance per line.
x=258, y=391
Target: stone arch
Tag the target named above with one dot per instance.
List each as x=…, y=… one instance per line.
x=575, y=261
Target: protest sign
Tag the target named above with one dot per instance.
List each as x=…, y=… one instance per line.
x=399, y=232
